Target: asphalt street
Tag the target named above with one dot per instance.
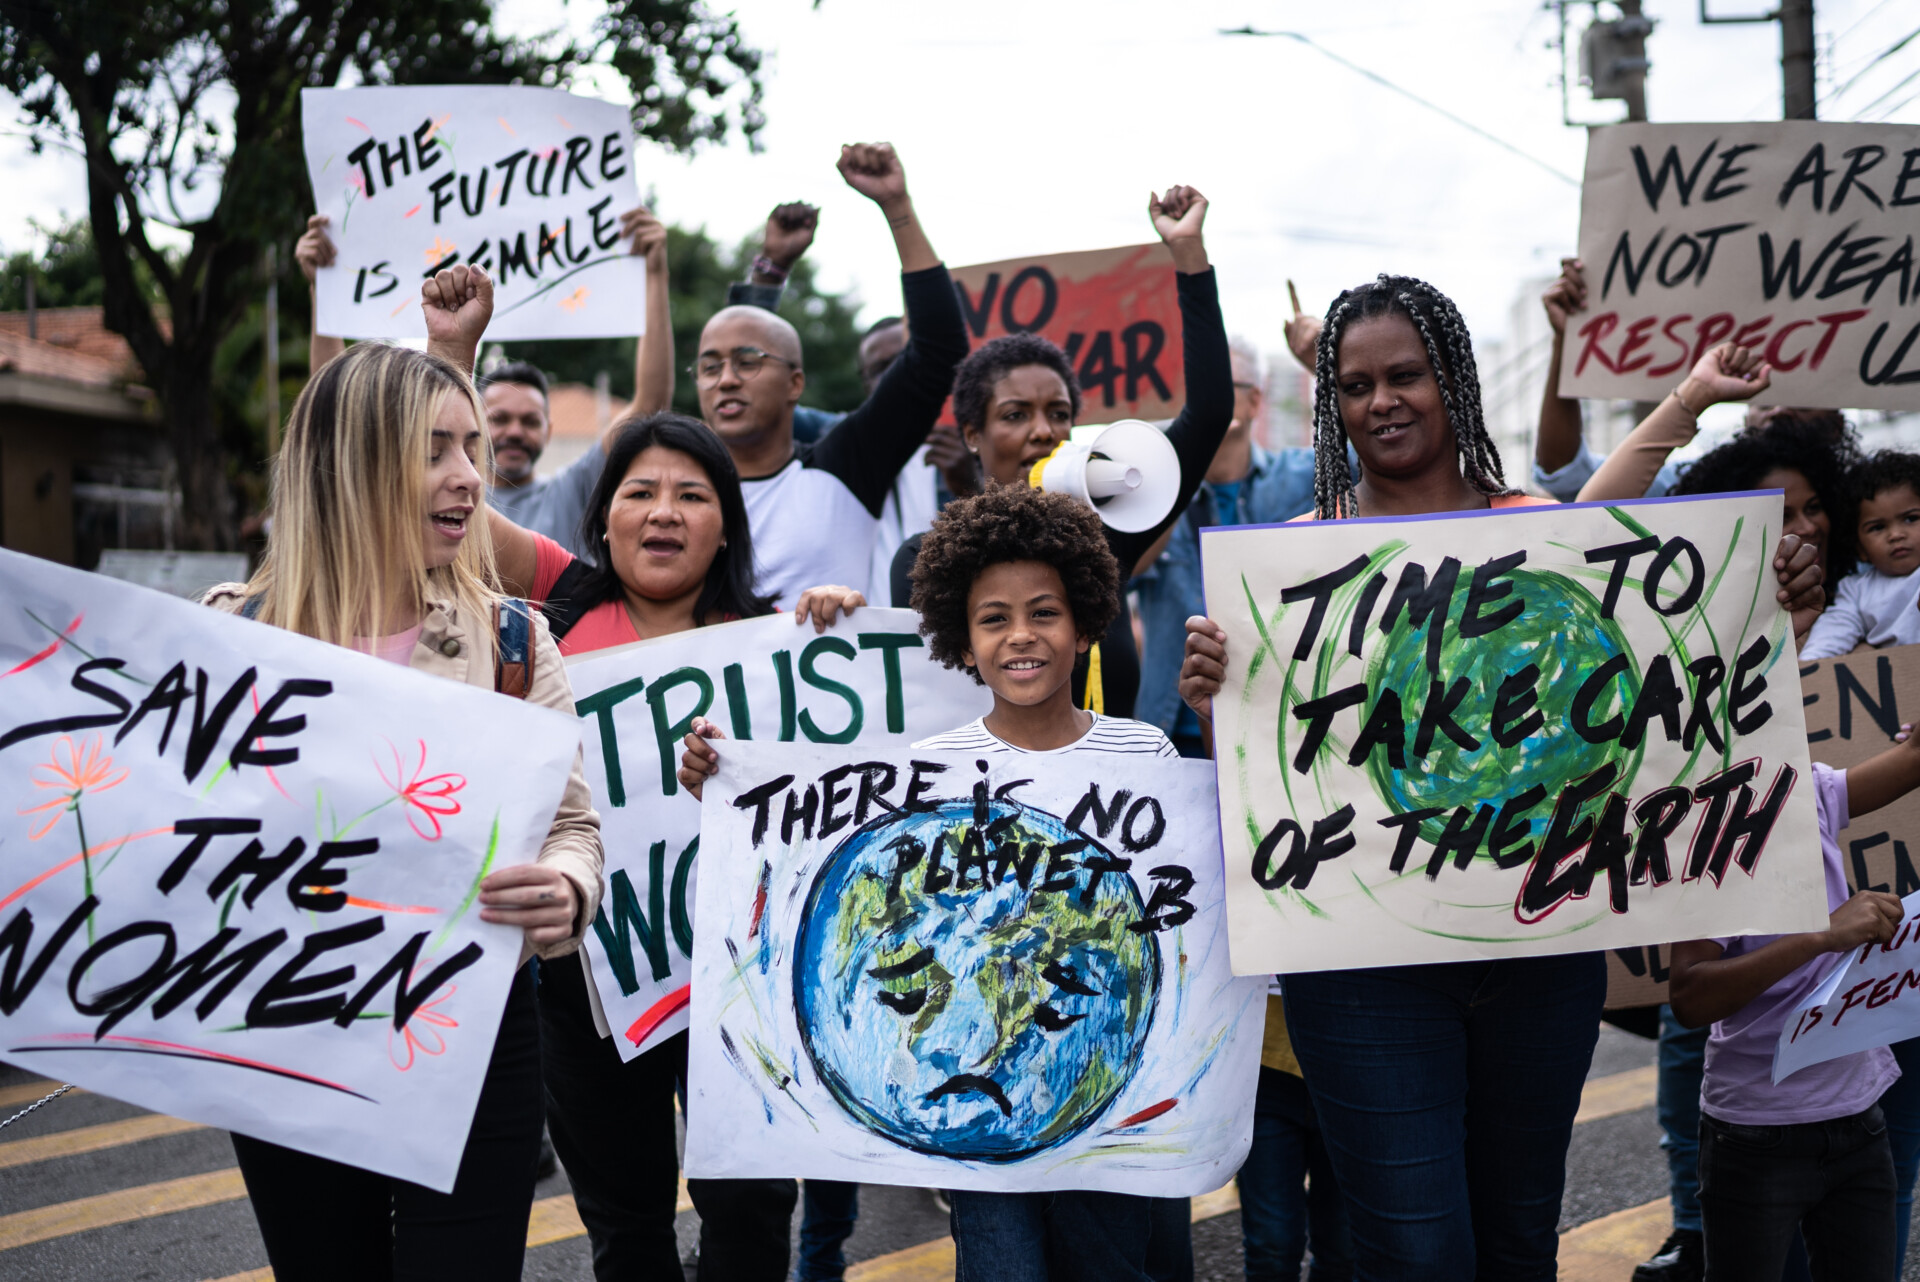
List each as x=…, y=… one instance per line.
x=94, y=1189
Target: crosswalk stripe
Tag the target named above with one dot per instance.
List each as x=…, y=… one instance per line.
x=91, y=1139
x=28, y=1092
x=23, y=1228
x=1607, y=1249
x=1618, y=1093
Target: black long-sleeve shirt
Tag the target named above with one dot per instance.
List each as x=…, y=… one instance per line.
x=1195, y=434
x=813, y=521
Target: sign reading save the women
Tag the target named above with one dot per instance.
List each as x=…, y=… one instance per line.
x=866, y=681
x=239, y=870
x=1497, y=734
x=526, y=183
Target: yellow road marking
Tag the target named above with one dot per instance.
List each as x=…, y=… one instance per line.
x=23, y=1228
x=28, y=1092
x=1617, y=1093
x=91, y=1139
x=1606, y=1249
x=251, y=1275
x=928, y=1262
x=1222, y=1200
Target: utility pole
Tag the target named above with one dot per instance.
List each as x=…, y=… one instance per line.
x=1797, y=97
x=1796, y=60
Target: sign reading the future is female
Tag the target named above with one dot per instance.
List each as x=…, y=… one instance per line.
x=1498, y=734
x=526, y=183
x=240, y=870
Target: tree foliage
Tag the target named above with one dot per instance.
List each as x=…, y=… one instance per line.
x=186, y=116
x=701, y=271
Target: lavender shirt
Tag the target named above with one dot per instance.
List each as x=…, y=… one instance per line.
x=1739, y=1075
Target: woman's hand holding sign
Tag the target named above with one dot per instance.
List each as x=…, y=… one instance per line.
x=1205, y=666
x=537, y=898
x=1796, y=563
x=699, y=762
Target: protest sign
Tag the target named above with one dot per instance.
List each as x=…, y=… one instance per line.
x=1854, y=704
x=1859, y=1006
x=1794, y=238
x=240, y=870
x=1114, y=312
x=526, y=183
x=1002, y=972
x=867, y=680
x=1501, y=734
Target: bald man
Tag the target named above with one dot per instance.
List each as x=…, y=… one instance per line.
x=814, y=507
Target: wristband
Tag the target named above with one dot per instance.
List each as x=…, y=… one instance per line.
x=764, y=266
x=1691, y=412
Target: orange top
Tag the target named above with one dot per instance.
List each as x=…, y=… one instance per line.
x=1496, y=501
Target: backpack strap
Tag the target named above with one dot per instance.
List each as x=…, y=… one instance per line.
x=513, y=658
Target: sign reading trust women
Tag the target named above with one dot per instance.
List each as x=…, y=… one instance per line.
x=1795, y=238
x=1498, y=734
x=527, y=183
x=866, y=681
x=239, y=870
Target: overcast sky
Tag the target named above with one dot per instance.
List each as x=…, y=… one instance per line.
x=1033, y=127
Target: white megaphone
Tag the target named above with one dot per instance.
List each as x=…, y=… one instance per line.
x=1128, y=472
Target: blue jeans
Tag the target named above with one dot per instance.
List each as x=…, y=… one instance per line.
x=1901, y=1104
x=1446, y=1096
x=1281, y=1212
x=1073, y=1236
x=1683, y=1054
x=829, y=1208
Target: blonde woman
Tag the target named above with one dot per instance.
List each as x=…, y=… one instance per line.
x=380, y=543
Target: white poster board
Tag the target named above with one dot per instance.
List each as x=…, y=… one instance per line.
x=1504, y=734
x=1863, y=1003
x=526, y=183
x=1005, y=973
x=241, y=870
x=867, y=681
x=1795, y=238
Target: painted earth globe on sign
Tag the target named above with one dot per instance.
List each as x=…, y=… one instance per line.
x=1556, y=641
x=973, y=990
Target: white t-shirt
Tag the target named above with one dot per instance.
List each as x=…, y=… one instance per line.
x=912, y=502
x=1106, y=734
x=1868, y=608
x=808, y=528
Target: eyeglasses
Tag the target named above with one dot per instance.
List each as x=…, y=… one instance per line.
x=746, y=363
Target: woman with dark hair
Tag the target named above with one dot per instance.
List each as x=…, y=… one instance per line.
x=668, y=515
x=1016, y=399
x=1446, y=1092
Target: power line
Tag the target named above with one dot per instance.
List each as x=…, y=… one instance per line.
x=1384, y=83
x=1888, y=113
x=1911, y=77
x=1881, y=57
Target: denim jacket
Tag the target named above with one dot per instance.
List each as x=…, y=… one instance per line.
x=1278, y=487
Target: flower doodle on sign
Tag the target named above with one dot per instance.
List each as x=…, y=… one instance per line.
x=415, y=1037
x=431, y=796
x=86, y=769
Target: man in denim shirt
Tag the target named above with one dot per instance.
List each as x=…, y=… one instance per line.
x=1246, y=485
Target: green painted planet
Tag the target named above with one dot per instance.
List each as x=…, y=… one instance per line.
x=1559, y=632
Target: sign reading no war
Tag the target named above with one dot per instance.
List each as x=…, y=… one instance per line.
x=867, y=681
x=1795, y=238
x=526, y=183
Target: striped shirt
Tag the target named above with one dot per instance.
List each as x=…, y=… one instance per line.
x=1107, y=734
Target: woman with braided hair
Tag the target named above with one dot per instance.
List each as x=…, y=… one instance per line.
x=1445, y=1093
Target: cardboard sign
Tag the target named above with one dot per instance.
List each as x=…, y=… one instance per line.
x=241, y=870
x=1860, y=1006
x=867, y=681
x=1114, y=312
x=1002, y=972
x=1794, y=237
x=1854, y=706
x=526, y=183
x=1507, y=734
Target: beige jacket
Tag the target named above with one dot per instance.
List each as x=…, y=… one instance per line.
x=446, y=649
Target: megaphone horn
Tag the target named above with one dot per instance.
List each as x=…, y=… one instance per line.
x=1128, y=472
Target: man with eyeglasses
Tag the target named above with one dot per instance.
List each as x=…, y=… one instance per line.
x=815, y=506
